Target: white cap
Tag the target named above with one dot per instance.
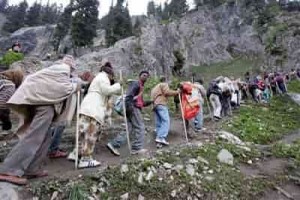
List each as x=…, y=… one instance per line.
x=69, y=60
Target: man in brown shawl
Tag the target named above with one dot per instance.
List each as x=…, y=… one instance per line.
x=41, y=98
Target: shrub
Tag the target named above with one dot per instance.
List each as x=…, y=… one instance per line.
x=11, y=57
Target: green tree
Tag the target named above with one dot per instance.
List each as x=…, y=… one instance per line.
x=84, y=23
x=212, y=3
x=16, y=17
x=63, y=26
x=117, y=23
x=49, y=13
x=177, y=8
x=151, y=8
x=33, y=17
x=3, y=5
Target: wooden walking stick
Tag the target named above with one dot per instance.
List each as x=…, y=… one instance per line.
x=210, y=113
x=77, y=130
x=183, y=120
x=124, y=113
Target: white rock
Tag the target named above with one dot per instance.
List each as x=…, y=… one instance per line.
x=141, y=197
x=54, y=195
x=249, y=162
x=140, y=178
x=193, y=161
x=124, y=168
x=124, y=196
x=149, y=176
x=224, y=156
x=167, y=165
x=209, y=178
x=230, y=138
x=202, y=160
x=210, y=171
x=173, y=193
x=190, y=170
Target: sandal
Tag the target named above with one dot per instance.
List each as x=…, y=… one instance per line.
x=13, y=179
x=38, y=174
x=58, y=154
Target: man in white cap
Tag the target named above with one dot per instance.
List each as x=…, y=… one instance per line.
x=41, y=99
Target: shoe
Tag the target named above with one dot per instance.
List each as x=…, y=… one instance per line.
x=37, y=174
x=57, y=154
x=113, y=149
x=13, y=179
x=140, y=151
x=72, y=155
x=88, y=163
x=162, y=141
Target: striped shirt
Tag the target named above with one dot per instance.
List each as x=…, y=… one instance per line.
x=7, y=89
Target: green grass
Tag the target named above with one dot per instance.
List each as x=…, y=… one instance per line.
x=236, y=68
x=294, y=86
x=282, y=150
x=264, y=125
x=223, y=182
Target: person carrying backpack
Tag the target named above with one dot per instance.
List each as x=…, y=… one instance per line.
x=134, y=103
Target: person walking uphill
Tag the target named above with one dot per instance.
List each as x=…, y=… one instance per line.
x=134, y=103
x=40, y=99
x=92, y=113
x=159, y=95
x=10, y=80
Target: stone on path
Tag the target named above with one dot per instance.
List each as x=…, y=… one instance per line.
x=190, y=170
x=224, y=156
x=8, y=191
x=124, y=196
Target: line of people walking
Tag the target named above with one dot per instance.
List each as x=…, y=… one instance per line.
x=46, y=101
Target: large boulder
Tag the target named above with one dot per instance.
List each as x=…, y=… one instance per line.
x=34, y=40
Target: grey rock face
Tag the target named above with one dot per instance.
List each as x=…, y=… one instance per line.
x=8, y=192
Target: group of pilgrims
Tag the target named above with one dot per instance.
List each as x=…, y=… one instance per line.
x=45, y=101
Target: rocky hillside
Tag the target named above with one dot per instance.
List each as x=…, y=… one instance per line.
x=203, y=36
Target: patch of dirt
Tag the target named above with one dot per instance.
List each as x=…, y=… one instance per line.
x=249, y=170
x=289, y=139
x=291, y=189
x=272, y=166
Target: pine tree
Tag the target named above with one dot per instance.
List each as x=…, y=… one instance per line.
x=33, y=17
x=151, y=8
x=63, y=26
x=3, y=5
x=16, y=17
x=84, y=23
x=117, y=23
x=159, y=11
x=49, y=14
x=177, y=8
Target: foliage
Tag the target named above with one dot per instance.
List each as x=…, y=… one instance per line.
x=62, y=27
x=179, y=63
x=294, y=86
x=236, y=68
x=282, y=150
x=33, y=17
x=225, y=182
x=78, y=192
x=3, y=5
x=117, y=23
x=212, y=3
x=11, y=57
x=84, y=22
x=49, y=14
x=273, y=33
x=177, y=8
x=151, y=10
x=16, y=17
x=264, y=125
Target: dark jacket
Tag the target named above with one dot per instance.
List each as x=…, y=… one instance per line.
x=133, y=90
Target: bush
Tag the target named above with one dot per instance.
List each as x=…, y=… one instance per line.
x=11, y=57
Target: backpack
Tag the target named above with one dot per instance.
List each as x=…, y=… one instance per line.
x=118, y=105
x=190, y=101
